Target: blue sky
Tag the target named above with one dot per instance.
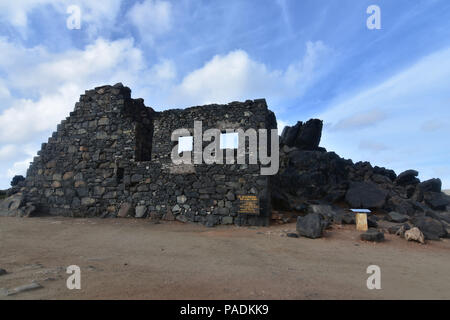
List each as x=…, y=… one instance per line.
x=383, y=94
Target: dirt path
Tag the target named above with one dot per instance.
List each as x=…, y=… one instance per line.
x=130, y=259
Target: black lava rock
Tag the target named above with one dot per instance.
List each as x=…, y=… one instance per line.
x=310, y=226
x=372, y=235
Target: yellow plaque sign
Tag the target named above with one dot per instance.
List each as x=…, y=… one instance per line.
x=361, y=222
x=248, y=204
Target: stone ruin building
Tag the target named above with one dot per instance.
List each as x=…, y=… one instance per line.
x=111, y=157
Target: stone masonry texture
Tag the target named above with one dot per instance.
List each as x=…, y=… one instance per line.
x=111, y=157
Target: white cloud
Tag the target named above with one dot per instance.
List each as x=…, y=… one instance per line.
x=360, y=120
x=397, y=120
x=235, y=76
x=151, y=17
x=56, y=80
x=16, y=12
x=19, y=168
x=164, y=71
x=95, y=15
x=8, y=151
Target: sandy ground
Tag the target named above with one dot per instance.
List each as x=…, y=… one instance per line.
x=131, y=259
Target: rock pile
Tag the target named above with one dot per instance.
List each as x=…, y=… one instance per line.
x=310, y=175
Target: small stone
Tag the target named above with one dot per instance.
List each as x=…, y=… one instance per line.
x=292, y=235
x=79, y=184
x=24, y=288
x=136, y=178
x=103, y=121
x=372, y=222
x=3, y=272
x=372, y=235
x=395, y=228
x=168, y=216
x=87, y=201
x=98, y=191
x=181, y=199
x=415, y=235
x=230, y=196
x=227, y=220
x=68, y=175
x=56, y=184
x=140, y=211
x=125, y=210
x=401, y=231
x=348, y=218
x=176, y=209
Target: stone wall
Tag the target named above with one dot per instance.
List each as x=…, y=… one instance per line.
x=111, y=157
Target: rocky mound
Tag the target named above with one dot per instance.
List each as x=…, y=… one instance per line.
x=310, y=175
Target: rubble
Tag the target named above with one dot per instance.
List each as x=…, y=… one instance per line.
x=307, y=175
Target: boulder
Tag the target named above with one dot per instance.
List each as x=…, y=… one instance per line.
x=16, y=180
x=437, y=200
x=415, y=235
x=365, y=195
x=211, y=220
x=304, y=136
x=400, y=205
x=372, y=235
x=396, y=228
x=372, y=221
x=407, y=177
x=433, y=185
x=140, y=211
x=126, y=209
x=10, y=206
x=326, y=211
x=396, y=217
x=348, y=218
x=311, y=226
x=385, y=172
x=431, y=228
x=28, y=210
x=443, y=216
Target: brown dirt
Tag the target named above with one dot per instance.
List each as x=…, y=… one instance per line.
x=135, y=259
